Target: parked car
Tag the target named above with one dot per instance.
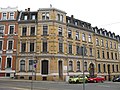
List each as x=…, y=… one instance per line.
x=77, y=79
x=116, y=79
x=96, y=79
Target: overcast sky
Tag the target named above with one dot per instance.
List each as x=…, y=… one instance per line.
x=101, y=13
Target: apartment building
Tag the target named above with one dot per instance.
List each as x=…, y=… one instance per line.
x=49, y=46
x=8, y=37
x=27, y=30
x=107, y=54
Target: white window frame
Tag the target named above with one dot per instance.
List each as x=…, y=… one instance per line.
x=5, y=17
x=10, y=15
x=9, y=29
x=12, y=44
x=11, y=61
x=4, y=28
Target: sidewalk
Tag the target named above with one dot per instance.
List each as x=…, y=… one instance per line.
x=23, y=80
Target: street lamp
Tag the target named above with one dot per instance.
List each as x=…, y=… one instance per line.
x=83, y=54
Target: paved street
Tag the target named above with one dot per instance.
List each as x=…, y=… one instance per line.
x=9, y=84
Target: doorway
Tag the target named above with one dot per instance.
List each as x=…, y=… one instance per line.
x=60, y=68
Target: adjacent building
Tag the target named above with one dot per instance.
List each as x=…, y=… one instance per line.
x=8, y=43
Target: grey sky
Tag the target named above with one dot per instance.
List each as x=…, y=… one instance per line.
x=101, y=13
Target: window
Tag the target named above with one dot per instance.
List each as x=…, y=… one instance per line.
x=4, y=16
x=10, y=45
x=22, y=65
x=107, y=55
x=30, y=65
x=104, y=67
x=60, y=17
x=24, y=31
x=9, y=62
x=70, y=66
x=78, y=50
x=0, y=62
x=98, y=54
x=76, y=23
x=32, y=47
x=60, y=31
x=97, y=41
x=33, y=17
x=102, y=43
x=90, y=51
x=70, y=48
x=117, y=68
x=103, y=54
x=60, y=47
x=106, y=44
x=110, y=44
x=113, y=69
x=112, y=55
x=83, y=37
x=99, y=68
x=114, y=45
x=89, y=38
x=44, y=47
x=23, y=47
x=11, y=29
x=11, y=15
x=32, y=30
x=1, y=29
x=45, y=16
x=78, y=65
x=45, y=65
x=45, y=30
x=77, y=35
x=0, y=45
x=69, y=34
x=85, y=66
x=25, y=17
x=116, y=56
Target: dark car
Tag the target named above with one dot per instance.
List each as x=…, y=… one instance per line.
x=116, y=79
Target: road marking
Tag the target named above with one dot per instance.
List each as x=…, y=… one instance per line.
x=104, y=86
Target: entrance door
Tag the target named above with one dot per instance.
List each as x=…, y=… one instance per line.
x=44, y=67
x=60, y=68
x=91, y=70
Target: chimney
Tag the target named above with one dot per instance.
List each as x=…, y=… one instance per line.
x=28, y=9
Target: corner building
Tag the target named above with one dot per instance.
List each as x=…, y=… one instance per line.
x=49, y=47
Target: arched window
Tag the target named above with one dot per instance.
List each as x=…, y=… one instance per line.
x=22, y=65
x=70, y=66
x=78, y=65
x=99, y=68
x=104, y=67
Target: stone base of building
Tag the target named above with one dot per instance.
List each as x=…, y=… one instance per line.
x=42, y=78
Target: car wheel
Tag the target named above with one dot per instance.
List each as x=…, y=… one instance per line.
x=77, y=81
x=101, y=81
x=95, y=81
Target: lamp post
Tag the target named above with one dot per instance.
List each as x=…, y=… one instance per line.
x=83, y=53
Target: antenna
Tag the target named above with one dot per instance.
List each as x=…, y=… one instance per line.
x=50, y=5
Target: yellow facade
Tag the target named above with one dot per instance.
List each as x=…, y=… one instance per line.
x=53, y=64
